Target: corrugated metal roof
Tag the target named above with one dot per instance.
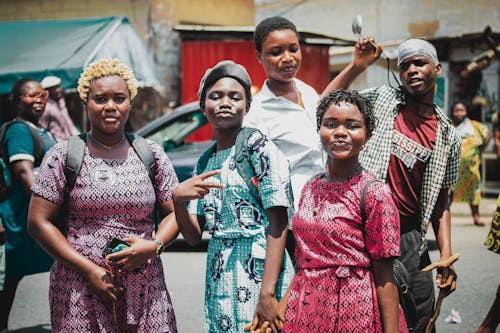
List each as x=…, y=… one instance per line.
x=64, y=47
x=207, y=32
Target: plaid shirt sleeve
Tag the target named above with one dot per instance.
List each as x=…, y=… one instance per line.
x=451, y=174
x=371, y=94
x=377, y=151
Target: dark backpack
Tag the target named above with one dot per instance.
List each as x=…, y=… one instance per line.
x=242, y=159
x=74, y=161
x=243, y=164
x=5, y=172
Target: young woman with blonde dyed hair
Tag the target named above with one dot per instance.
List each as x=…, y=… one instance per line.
x=113, y=196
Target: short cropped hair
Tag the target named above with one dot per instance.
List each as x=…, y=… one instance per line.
x=18, y=89
x=103, y=68
x=268, y=25
x=352, y=97
x=466, y=105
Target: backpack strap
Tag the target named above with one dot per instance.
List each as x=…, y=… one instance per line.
x=203, y=160
x=5, y=174
x=76, y=150
x=244, y=162
x=5, y=177
x=3, y=149
x=74, y=159
x=38, y=146
x=143, y=150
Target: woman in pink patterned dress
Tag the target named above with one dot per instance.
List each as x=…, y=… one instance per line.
x=344, y=281
x=113, y=196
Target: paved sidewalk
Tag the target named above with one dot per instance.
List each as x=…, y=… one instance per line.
x=461, y=215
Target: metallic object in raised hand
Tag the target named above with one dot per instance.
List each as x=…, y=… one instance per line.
x=357, y=24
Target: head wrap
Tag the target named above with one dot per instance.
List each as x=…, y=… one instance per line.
x=416, y=46
x=225, y=68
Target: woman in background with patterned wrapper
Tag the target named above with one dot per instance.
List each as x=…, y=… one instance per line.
x=113, y=196
x=475, y=137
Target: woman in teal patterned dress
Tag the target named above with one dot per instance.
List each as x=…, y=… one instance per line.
x=247, y=269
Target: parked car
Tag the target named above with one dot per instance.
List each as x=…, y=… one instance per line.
x=174, y=131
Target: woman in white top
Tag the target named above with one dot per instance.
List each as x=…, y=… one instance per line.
x=285, y=107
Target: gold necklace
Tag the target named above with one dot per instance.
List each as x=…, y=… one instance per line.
x=106, y=146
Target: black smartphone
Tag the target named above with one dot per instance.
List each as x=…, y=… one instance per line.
x=113, y=245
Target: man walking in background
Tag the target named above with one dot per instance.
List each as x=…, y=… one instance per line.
x=56, y=118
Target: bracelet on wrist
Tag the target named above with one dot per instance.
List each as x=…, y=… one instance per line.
x=159, y=246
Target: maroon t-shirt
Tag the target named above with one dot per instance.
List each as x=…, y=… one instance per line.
x=413, y=140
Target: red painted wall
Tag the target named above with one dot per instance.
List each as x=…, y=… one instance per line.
x=197, y=56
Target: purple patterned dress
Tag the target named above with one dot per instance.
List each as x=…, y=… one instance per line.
x=333, y=289
x=114, y=197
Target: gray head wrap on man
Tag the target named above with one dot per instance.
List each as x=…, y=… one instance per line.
x=415, y=46
x=225, y=68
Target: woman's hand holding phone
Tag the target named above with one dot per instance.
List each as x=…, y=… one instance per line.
x=131, y=254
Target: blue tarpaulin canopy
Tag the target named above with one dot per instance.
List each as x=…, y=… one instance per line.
x=64, y=47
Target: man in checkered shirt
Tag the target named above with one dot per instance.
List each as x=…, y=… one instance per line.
x=416, y=150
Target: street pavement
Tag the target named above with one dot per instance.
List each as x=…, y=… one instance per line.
x=478, y=269
x=478, y=277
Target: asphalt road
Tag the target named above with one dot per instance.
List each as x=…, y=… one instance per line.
x=478, y=277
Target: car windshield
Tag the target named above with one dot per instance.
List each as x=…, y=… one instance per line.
x=173, y=135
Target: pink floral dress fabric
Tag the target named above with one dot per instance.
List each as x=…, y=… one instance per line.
x=333, y=289
x=114, y=197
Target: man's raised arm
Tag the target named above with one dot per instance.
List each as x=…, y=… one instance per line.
x=364, y=55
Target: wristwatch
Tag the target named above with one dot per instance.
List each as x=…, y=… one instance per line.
x=159, y=246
